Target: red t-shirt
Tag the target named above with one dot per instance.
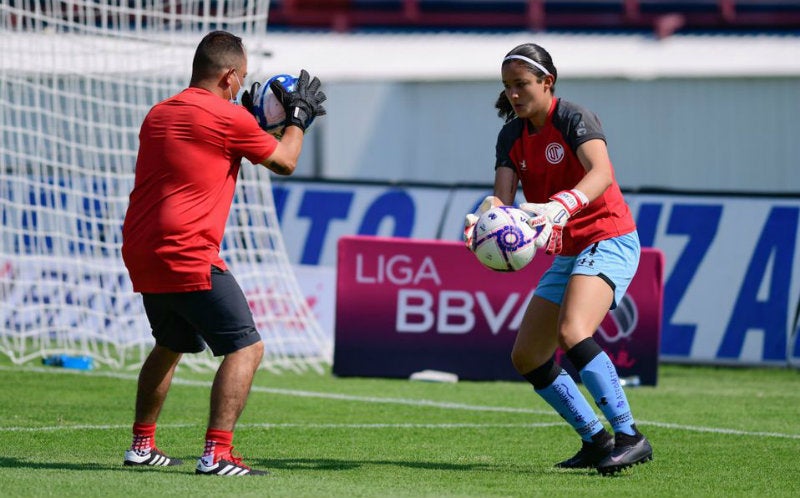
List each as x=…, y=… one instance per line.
x=546, y=163
x=190, y=150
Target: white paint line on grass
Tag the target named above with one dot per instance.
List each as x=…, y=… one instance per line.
x=374, y=399
x=401, y=401
x=718, y=430
x=81, y=427
x=104, y=427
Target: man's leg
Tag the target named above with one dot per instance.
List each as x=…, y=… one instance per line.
x=232, y=386
x=228, y=397
x=155, y=378
x=154, y=381
x=225, y=320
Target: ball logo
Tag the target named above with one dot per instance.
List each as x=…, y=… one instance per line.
x=510, y=238
x=620, y=323
x=554, y=153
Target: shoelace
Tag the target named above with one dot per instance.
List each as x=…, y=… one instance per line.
x=235, y=457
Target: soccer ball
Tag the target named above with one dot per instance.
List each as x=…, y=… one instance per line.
x=268, y=109
x=503, y=240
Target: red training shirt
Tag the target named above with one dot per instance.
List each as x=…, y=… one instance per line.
x=546, y=163
x=190, y=150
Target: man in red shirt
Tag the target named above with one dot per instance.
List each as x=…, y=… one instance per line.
x=190, y=151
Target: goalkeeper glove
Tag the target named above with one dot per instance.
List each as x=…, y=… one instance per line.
x=472, y=218
x=248, y=96
x=562, y=207
x=302, y=104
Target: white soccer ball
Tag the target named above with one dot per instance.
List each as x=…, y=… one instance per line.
x=268, y=109
x=503, y=240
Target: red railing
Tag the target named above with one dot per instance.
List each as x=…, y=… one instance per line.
x=664, y=16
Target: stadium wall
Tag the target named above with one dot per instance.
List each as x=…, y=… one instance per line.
x=720, y=134
x=697, y=113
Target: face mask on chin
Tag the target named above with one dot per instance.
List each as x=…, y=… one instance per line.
x=238, y=99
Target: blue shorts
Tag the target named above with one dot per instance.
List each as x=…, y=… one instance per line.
x=184, y=322
x=614, y=260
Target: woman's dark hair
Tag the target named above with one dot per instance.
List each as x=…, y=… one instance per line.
x=218, y=51
x=539, y=55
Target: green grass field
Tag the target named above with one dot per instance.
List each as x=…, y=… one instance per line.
x=715, y=432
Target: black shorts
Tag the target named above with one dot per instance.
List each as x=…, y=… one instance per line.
x=185, y=322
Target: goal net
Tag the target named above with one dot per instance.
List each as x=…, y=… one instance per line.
x=77, y=78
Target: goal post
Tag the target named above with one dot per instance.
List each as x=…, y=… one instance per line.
x=77, y=78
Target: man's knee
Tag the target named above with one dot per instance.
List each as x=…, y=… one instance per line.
x=258, y=349
x=252, y=353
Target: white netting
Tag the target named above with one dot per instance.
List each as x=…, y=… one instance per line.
x=76, y=79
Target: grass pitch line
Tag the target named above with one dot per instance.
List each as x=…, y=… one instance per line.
x=405, y=426
x=109, y=427
x=83, y=427
x=718, y=430
x=401, y=401
x=535, y=425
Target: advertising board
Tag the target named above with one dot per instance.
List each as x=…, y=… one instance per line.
x=409, y=305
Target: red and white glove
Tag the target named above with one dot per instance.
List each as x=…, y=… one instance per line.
x=471, y=219
x=562, y=207
x=540, y=224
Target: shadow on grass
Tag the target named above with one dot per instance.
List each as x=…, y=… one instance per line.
x=335, y=464
x=326, y=464
x=16, y=463
x=289, y=464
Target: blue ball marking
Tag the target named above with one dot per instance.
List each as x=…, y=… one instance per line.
x=510, y=238
x=288, y=82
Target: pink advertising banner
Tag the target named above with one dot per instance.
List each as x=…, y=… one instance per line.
x=405, y=305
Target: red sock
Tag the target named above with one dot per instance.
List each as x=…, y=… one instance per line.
x=218, y=443
x=144, y=437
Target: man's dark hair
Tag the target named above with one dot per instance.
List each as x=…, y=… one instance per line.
x=218, y=51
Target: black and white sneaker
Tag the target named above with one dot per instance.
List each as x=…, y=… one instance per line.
x=591, y=453
x=628, y=451
x=154, y=458
x=231, y=466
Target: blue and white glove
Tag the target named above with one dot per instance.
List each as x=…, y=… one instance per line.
x=558, y=211
x=471, y=219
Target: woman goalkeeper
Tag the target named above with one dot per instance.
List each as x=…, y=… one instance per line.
x=557, y=151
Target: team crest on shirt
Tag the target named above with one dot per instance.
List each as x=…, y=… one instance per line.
x=554, y=153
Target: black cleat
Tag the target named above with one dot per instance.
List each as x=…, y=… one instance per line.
x=590, y=454
x=154, y=458
x=628, y=451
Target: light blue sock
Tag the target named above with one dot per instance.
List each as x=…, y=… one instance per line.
x=601, y=380
x=565, y=397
